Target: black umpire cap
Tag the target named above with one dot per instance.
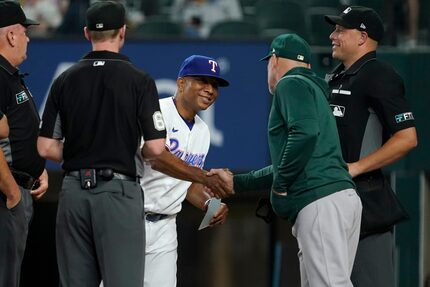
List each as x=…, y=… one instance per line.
x=360, y=18
x=11, y=13
x=105, y=15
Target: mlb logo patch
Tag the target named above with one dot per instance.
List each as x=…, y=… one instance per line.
x=21, y=97
x=338, y=111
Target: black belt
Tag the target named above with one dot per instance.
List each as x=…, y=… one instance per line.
x=23, y=179
x=101, y=173
x=154, y=217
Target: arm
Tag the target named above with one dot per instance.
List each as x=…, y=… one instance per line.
x=153, y=148
x=199, y=198
x=4, y=127
x=395, y=148
x=177, y=168
x=7, y=183
x=261, y=179
x=50, y=148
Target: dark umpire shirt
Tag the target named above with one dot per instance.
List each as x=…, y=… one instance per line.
x=102, y=106
x=16, y=102
x=368, y=101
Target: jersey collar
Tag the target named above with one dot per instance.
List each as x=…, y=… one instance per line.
x=105, y=55
x=339, y=70
x=7, y=66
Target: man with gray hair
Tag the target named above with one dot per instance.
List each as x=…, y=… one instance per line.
x=22, y=173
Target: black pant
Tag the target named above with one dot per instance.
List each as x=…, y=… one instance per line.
x=14, y=225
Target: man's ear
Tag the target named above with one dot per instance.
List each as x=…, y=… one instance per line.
x=180, y=83
x=122, y=31
x=363, y=38
x=10, y=36
x=87, y=33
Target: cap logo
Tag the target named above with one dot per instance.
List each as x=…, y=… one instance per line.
x=362, y=26
x=99, y=25
x=214, y=65
x=300, y=57
x=98, y=63
x=346, y=11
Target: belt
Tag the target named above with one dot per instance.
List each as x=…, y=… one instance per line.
x=154, y=217
x=23, y=179
x=101, y=173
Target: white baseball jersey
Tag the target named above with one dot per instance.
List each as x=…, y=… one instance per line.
x=164, y=194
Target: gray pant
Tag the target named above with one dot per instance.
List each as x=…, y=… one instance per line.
x=14, y=225
x=100, y=234
x=374, y=262
x=327, y=231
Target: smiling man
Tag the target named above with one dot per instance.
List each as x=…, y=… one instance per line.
x=187, y=145
x=376, y=128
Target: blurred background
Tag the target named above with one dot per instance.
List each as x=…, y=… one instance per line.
x=246, y=251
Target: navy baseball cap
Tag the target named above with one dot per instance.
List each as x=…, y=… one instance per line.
x=11, y=13
x=197, y=65
x=360, y=18
x=105, y=15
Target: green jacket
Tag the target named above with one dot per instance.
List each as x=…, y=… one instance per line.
x=304, y=147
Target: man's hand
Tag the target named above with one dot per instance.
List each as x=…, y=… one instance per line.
x=353, y=169
x=43, y=186
x=220, y=183
x=220, y=216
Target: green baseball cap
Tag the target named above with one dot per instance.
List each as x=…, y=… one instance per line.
x=290, y=46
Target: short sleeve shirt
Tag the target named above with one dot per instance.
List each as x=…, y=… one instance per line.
x=101, y=107
x=16, y=102
x=369, y=103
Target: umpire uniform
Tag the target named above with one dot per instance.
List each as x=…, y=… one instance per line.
x=101, y=107
x=369, y=105
x=16, y=103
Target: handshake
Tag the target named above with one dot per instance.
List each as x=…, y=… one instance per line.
x=219, y=182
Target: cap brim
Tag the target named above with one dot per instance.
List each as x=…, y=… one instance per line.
x=335, y=20
x=29, y=22
x=265, y=58
x=222, y=82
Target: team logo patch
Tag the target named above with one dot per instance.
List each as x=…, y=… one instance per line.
x=404, y=117
x=21, y=97
x=338, y=111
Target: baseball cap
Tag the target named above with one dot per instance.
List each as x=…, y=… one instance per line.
x=197, y=65
x=290, y=46
x=360, y=18
x=105, y=15
x=11, y=13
